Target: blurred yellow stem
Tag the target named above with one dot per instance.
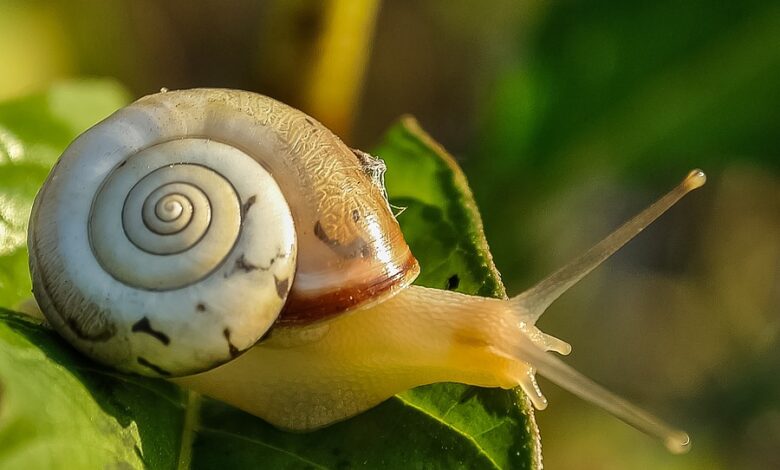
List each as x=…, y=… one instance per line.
x=342, y=53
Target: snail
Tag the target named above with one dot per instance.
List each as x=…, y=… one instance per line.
x=234, y=245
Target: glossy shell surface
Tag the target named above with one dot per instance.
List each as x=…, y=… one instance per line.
x=170, y=236
x=351, y=251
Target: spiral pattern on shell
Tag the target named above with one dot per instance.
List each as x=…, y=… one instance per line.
x=163, y=260
x=169, y=210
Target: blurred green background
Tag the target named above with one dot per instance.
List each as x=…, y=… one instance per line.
x=568, y=117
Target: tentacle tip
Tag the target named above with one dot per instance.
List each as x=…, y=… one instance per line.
x=530, y=387
x=678, y=442
x=551, y=343
x=538, y=400
x=695, y=179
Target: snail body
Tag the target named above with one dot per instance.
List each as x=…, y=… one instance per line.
x=234, y=245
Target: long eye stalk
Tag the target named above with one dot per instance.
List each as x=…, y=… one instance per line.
x=565, y=376
x=536, y=299
x=533, y=302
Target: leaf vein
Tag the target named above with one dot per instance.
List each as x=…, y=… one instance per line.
x=128, y=380
x=451, y=426
x=261, y=443
x=492, y=428
x=188, y=430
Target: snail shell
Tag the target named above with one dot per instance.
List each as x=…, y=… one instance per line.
x=171, y=236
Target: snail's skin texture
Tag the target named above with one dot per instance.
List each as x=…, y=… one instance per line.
x=304, y=379
x=171, y=237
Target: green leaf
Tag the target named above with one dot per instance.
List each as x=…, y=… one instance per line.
x=59, y=410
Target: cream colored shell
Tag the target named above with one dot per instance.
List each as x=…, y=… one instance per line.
x=166, y=239
x=157, y=254
x=351, y=251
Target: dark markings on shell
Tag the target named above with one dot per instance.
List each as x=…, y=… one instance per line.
x=241, y=264
x=153, y=367
x=356, y=248
x=201, y=307
x=453, y=282
x=124, y=162
x=320, y=233
x=355, y=215
x=247, y=205
x=234, y=352
x=282, y=287
x=95, y=333
x=144, y=326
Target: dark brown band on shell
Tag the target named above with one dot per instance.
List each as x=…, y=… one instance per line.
x=306, y=310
